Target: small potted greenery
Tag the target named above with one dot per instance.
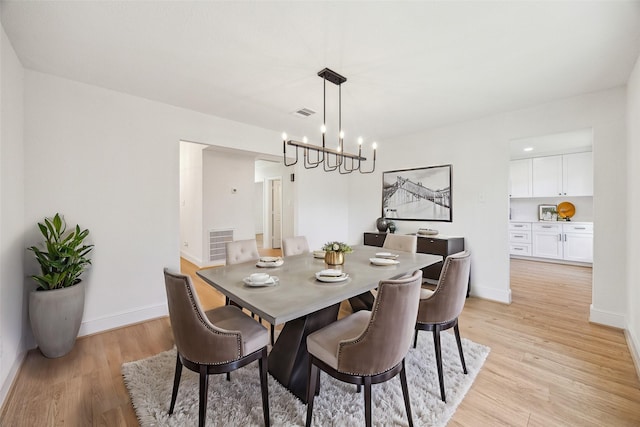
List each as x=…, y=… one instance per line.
x=57, y=304
x=334, y=252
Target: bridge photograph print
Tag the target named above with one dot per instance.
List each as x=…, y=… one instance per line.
x=420, y=194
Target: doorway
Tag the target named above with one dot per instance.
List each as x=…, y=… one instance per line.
x=273, y=213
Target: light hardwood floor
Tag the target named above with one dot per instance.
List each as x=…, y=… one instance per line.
x=548, y=365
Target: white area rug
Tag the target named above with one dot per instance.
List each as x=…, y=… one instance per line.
x=238, y=403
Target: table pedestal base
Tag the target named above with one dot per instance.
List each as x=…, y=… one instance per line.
x=289, y=360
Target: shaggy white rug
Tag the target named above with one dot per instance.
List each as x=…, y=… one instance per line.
x=238, y=403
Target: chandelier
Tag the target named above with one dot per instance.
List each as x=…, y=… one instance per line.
x=331, y=158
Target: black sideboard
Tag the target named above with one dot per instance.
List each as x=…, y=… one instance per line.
x=434, y=245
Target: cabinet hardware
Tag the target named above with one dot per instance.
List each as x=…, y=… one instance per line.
x=579, y=228
x=517, y=249
x=559, y=237
x=565, y=237
x=546, y=226
x=518, y=235
x=518, y=225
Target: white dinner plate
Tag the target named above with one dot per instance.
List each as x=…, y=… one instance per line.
x=270, y=258
x=266, y=264
x=271, y=281
x=387, y=255
x=330, y=272
x=383, y=261
x=332, y=279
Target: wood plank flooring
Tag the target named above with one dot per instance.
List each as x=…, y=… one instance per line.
x=548, y=365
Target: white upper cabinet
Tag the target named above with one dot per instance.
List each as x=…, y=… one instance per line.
x=577, y=174
x=565, y=175
x=520, y=178
x=547, y=176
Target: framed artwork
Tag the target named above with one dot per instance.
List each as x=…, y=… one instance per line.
x=420, y=194
x=547, y=212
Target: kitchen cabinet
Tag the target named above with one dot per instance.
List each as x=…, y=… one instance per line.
x=520, y=238
x=577, y=242
x=565, y=241
x=547, y=240
x=577, y=174
x=563, y=175
x=520, y=178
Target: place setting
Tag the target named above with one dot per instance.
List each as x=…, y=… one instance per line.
x=260, y=280
x=331, y=276
x=385, y=258
x=269, y=262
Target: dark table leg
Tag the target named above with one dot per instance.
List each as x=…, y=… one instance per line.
x=289, y=360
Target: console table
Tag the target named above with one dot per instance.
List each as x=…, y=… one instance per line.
x=435, y=245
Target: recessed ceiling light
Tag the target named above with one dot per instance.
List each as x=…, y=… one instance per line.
x=528, y=149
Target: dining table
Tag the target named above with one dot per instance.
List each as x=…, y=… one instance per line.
x=295, y=297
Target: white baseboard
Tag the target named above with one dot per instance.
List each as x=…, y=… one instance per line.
x=493, y=294
x=198, y=263
x=634, y=349
x=122, y=319
x=191, y=259
x=607, y=318
x=11, y=377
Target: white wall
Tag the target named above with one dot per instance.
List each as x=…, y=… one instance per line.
x=479, y=152
x=191, y=234
x=227, y=193
x=115, y=163
x=13, y=295
x=633, y=213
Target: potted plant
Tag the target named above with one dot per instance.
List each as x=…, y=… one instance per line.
x=334, y=252
x=57, y=304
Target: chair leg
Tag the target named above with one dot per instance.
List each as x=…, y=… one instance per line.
x=318, y=383
x=457, y=332
x=311, y=387
x=415, y=339
x=204, y=389
x=405, y=393
x=262, y=365
x=367, y=401
x=436, y=344
x=228, y=376
x=176, y=383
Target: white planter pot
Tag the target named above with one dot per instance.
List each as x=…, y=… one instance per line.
x=55, y=318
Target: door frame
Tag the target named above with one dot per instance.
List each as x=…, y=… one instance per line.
x=268, y=202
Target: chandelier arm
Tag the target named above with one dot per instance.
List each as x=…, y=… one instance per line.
x=308, y=164
x=346, y=170
x=284, y=154
x=374, y=165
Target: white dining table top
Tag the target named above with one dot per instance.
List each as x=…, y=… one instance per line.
x=298, y=292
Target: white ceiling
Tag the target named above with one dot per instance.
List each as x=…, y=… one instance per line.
x=410, y=65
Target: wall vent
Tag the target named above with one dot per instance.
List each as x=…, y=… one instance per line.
x=217, y=244
x=304, y=112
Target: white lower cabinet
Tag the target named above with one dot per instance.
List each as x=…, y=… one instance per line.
x=552, y=240
x=578, y=242
x=547, y=240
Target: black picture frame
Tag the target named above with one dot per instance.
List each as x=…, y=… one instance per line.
x=419, y=194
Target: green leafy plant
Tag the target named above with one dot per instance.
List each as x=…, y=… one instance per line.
x=337, y=247
x=64, y=257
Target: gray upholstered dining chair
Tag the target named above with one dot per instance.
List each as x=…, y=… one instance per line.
x=213, y=342
x=401, y=242
x=440, y=308
x=368, y=348
x=395, y=242
x=294, y=246
x=241, y=251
